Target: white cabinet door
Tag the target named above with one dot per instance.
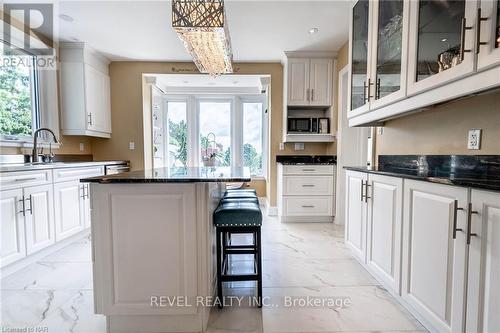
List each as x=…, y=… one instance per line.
x=433, y=271
x=13, y=245
x=483, y=296
x=298, y=81
x=97, y=100
x=355, y=223
x=39, y=220
x=85, y=202
x=441, y=43
x=488, y=45
x=68, y=209
x=385, y=202
x=321, y=82
x=106, y=103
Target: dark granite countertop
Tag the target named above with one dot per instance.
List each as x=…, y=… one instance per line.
x=176, y=175
x=306, y=159
x=476, y=171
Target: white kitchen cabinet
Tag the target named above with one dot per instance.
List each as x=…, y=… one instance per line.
x=309, y=81
x=85, y=92
x=434, y=253
x=68, y=209
x=39, y=217
x=488, y=42
x=85, y=201
x=483, y=300
x=13, y=245
x=306, y=193
x=355, y=214
x=384, y=229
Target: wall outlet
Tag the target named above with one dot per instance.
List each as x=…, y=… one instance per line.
x=282, y=146
x=299, y=146
x=474, y=140
x=131, y=145
x=82, y=146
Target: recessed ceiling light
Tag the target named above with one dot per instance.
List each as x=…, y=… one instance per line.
x=444, y=39
x=74, y=39
x=236, y=82
x=313, y=31
x=185, y=82
x=66, y=18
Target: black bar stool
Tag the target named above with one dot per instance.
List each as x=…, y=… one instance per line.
x=238, y=217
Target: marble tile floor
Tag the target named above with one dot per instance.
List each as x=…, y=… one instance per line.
x=301, y=261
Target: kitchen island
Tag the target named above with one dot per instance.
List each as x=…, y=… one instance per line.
x=153, y=245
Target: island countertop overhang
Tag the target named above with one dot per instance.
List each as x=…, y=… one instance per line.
x=175, y=175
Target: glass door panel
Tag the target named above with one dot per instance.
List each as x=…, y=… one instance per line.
x=359, y=60
x=215, y=133
x=440, y=36
x=177, y=134
x=488, y=46
x=389, y=47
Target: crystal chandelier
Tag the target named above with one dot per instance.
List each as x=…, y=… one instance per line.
x=202, y=26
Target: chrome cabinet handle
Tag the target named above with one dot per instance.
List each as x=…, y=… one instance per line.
x=308, y=185
x=362, y=189
x=87, y=187
x=82, y=189
x=307, y=206
x=377, y=89
x=463, y=29
x=469, y=223
x=30, y=209
x=312, y=94
x=366, y=90
x=308, y=94
x=478, y=30
x=366, y=191
x=25, y=179
x=308, y=170
x=23, y=211
x=90, y=118
x=455, y=213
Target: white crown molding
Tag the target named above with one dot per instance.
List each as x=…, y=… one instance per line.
x=311, y=54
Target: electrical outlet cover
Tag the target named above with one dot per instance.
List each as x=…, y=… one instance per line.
x=474, y=139
x=299, y=146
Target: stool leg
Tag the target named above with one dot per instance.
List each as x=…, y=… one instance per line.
x=219, y=235
x=259, y=267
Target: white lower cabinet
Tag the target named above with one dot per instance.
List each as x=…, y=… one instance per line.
x=68, y=208
x=483, y=291
x=384, y=229
x=13, y=242
x=39, y=217
x=355, y=214
x=86, y=205
x=434, y=253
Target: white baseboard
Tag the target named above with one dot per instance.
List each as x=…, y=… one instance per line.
x=306, y=219
x=22, y=263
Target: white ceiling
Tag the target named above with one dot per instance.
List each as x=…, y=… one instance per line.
x=196, y=80
x=260, y=30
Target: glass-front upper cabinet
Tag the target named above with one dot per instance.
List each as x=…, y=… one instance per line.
x=388, y=61
x=441, y=42
x=358, y=53
x=488, y=43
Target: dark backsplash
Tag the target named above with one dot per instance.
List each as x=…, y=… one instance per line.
x=306, y=159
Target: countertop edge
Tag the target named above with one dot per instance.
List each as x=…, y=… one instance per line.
x=7, y=168
x=436, y=180
x=106, y=181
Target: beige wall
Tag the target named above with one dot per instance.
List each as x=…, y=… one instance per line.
x=443, y=130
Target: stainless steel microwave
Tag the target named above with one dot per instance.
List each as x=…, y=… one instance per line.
x=303, y=125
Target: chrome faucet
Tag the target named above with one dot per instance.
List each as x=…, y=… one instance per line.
x=34, y=155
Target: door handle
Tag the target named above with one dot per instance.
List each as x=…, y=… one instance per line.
x=30, y=199
x=366, y=191
x=362, y=189
x=308, y=95
x=87, y=191
x=312, y=94
x=90, y=118
x=23, y=210
x=469, y=223
x=478, y=30
x=82, y=188
x=455, y=213
x=463, y=29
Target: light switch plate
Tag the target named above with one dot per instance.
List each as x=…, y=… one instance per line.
x=299, y=146
x=131, y=145
x=474, y=139
x=282, y=146
x=82, y=146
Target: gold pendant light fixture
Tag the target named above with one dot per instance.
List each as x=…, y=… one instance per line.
x=202, y=26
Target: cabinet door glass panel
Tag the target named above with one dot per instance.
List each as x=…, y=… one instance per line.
x=439, y=36
x=359, y=53
x=497, y=26
x=389, y=44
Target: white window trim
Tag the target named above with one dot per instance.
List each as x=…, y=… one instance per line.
x=236, y=127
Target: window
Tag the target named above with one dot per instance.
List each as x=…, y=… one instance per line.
x=177, y=134
x=217, y=131
x=18, y=96
x=253, y=137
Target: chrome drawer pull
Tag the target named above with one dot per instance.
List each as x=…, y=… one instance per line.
x=309, y=170
x=308, y=185
x=307, y=206
x=455, y=229
x=25, y=179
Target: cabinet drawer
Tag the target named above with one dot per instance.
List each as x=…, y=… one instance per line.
x=308, y=185
x=68, y=174
x=9, y=180
x=308, y=206
x=308, y=169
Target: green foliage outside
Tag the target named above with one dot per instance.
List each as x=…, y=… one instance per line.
x=15, y=101
x=178, y=138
